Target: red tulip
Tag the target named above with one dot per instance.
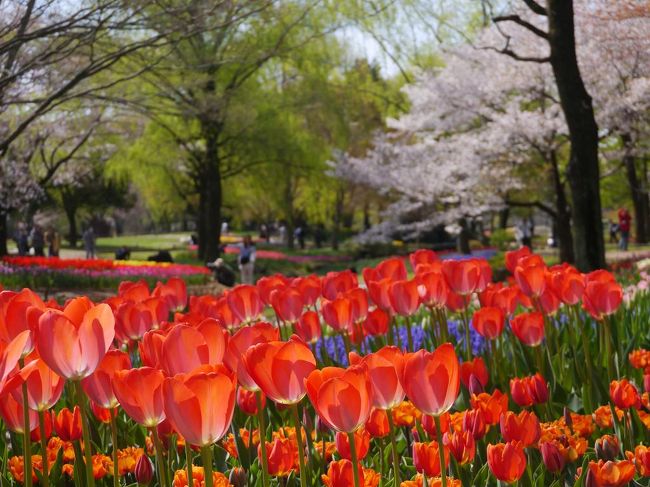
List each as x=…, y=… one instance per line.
x=73, y=342
x=12, y=414
x=67, y=424
x=44, y=387
x=429, y=424
x=377, y=424
x=144, y=470
x=99, y=385
x=462, y=446
x=281, y=456
x=133, y=291
x=549, y=302
x=392, y=268
x=624, y=395
x=309, y=287
x=247, y=401
x=489, y=322
x=523, y=427
x=552, y=457
x=529, y=328
x=568, y=284
x=527, y=391
x=376, y=323
x=610, y=474
x=266, y=285
x=512, y=257
x=280, y=369
x=423, y=257
x=174, y=292
x=385, y=368
x=308, y=327
x=601, y=299
x=426, y=458
x=343, y=400
x=531, y=279
x=245, y=302
x=19, y=312
x=474, y=423
x=462, y=276
x=35, y=434
x=432, y=379
x=187, y=348
x=140, y=393
x=433, y=289
x=240, y=342
x=335, y=283
x=404, y=297
x=10, y=353
x=150, y=347
x=338, y=314
x=133, y=320
x=287, y=304
x=475, y=368
x=379, y=292
x=361, y=444
x=200, y=405
x=507, y=461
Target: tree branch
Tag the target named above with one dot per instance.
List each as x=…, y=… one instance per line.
x=524, y=23
x=536, y=7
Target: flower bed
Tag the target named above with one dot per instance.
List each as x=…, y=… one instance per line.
x=53, y=272
x=445, y=377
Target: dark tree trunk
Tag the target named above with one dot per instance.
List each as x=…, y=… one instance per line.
x=338, y=216
x=562, y=215
x=583, y=171
x=4, y=233
x=366, y=216
x=504, y=214
x=639, y=196
x=210, y=197
x=463, y=237
x=70, y=208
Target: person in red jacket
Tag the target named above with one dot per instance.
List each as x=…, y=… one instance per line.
x=624, y=224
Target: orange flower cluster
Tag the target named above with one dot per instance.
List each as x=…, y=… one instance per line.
x=198, y=476
x=640, y=359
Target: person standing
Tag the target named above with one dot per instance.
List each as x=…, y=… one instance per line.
x=89, y=242
x=22, y=239
x=54, y=245
x=624, y=225
x=246, y=260
x=38, y=240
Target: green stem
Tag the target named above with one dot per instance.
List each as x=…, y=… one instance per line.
x=409, y=333
x=540, y=359
x=160, y=466
x=346, y=342
x=262, y=426
x=301, y=447
x=206, y=453
x=41, y=425
x=444, y=327
x=189, y=461
x=116, y=476
x=441, y=452
x=608, y=350
x=355, y=461
x=468, y=343
x=85, y=430
x=590, y=367
x=5, y=453
x=27, y=443
x=393, y=445
x=390, y=339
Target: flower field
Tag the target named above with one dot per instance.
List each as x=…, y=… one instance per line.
x=52, y=272
x=423, y=371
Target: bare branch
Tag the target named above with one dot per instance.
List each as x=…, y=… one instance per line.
x=524, y=23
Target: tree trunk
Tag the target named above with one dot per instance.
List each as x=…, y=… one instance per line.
x=639, y=196
x=583, y=171
x=504, y=214
x=463, y=237
x=210, y=197
x=338, y=216
x=562, y=214
x=70, y=209
x=4, y=233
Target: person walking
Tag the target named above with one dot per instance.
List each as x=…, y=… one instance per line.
x=89, y=242
x=22, y=239
x=246, y=260
x=613, y=232
x=38, y=240
x=54, y=243
x=624, y=225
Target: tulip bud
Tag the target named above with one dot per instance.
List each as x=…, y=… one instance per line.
x=144, y=471
x=475, y=386
x=552, y=457
x=238, y=477
x=646, y=383
x=607, y=448
x=416, y=435
x=590, y=480
x=568, y=420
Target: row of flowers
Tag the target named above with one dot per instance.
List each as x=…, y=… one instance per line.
x=243, y=388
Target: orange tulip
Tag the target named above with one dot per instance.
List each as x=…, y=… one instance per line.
x=379, y=292
x=335, y=283
x=529, y=328
x=523, y=427
x=344, y=399
x=404, y=297
x=44, y=387
x=426, y=458
x=308, y=327
x=476, y=368
x=507, y=461
x=433, y=289
x=135, y=291
x=282, y=456
x=240, y=342
x=491, y=405
x=431, y=380
x=140, y=393
x=462, y=276
x=187, y=348
x=133, y=320
x=10, y=353
x=341, y=474
x=280, y=368
x=489, y=322
x=462, y=446
x=73, y=342
x=67, y=424
x=641, y=458
x=267, y=284
x=287, y=304
x=150, y=347
x=567, y=283
x=376, y=323
x=245, y=302
x=309, y=287
x=624, y=394
x=610, y=474
x=316, y=379
x=198, y=477
x=12, y=414
x=19, y=312
x=385, y=368
x=338, y=313
x=361, y=443
x=429, y=424
x=99, y=385
x=531, y=277
x=601, y=299
x=377, y=424
x=200, y=405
